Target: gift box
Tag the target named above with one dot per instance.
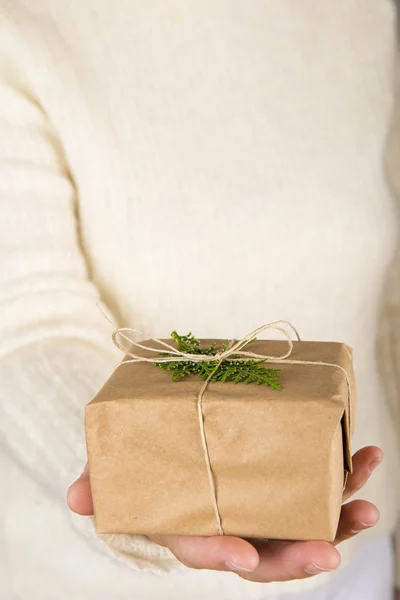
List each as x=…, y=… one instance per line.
x=278, y=458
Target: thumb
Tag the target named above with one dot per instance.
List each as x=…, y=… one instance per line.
x=79, y=496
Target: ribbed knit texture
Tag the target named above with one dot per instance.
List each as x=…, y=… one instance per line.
x=204, y=166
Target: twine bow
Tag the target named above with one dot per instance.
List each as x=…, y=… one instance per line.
x=234, y=347
x=233, y=352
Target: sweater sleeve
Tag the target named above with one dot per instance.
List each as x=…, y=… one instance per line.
x=55, y=349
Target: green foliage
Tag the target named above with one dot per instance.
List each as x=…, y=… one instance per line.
x=230, y=370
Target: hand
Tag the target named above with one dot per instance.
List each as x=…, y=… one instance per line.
x=264, y=561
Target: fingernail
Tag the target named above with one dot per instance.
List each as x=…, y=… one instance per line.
x=375, y=463
x=314, y=569
x=234, y=567
x=359, y=526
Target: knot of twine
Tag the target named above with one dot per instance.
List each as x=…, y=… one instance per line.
x=235, y=347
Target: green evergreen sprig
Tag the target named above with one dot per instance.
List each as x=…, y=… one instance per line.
x=248, y=371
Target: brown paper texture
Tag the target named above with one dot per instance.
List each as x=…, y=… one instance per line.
x=278, y=456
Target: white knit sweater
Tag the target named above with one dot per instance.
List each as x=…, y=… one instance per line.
x=204, y=166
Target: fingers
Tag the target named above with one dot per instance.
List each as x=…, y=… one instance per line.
x=364, y=463
x=284, y=561
x=79, y=496
x=219, y=553
x=267, y=562
x=355, y=517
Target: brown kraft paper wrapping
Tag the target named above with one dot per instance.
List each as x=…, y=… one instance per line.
x=279, y=457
